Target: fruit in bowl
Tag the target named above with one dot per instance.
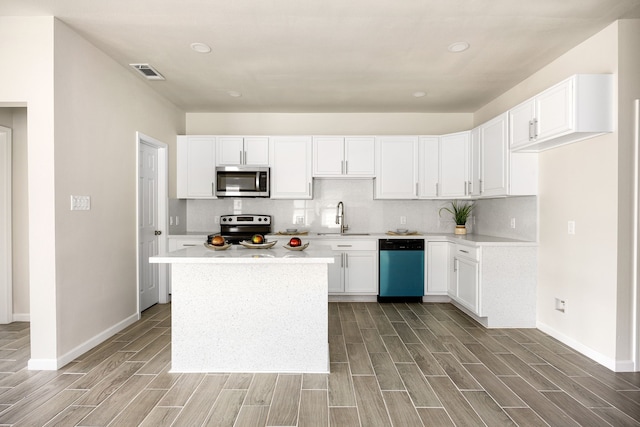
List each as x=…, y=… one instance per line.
x=295, y=242
x=257, y=239
x=217, y=241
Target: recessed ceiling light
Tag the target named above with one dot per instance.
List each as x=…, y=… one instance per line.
x=458, y=47
x=200, y=47
x=234, y=94
x=419, y=94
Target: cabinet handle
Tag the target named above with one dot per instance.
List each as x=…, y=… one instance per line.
x=342, y=260
x=455, y=264
x=309, y=186
x=530, y=130
x=240, y=156
x=466, y=188
x=346, y=167
x=535, y=128
x=344, y=246
x=186, y=244
x=346, y=260
x=463, y=251
x=437, y=190
x=213, y=188
x=481, y=186
x=470, y=187
x=417, y=190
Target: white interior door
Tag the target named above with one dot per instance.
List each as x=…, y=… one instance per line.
x=148, y=225
x=6, y=283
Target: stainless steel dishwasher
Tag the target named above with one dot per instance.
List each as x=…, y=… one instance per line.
x=401, y=270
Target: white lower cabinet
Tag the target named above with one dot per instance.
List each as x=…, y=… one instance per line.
x=355, y=270
x=175, y=243
x=466, y=273
x=438, y=267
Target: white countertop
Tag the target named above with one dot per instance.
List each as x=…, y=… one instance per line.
x=466, y=239
x=236, y=254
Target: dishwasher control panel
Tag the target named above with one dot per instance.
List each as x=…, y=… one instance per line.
x=401, y=244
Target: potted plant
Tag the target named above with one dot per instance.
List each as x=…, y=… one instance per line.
x=460, y=212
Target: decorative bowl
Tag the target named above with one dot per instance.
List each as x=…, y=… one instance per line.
x=266, y=245
x=217, y=248
x=296, y=248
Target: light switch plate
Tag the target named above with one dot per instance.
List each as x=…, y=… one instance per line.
x=80, y=203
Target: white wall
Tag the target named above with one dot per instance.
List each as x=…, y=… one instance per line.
x=16, y=119
x=99, y=106
x=26, y=79
x=582, y=182
x=327, y=123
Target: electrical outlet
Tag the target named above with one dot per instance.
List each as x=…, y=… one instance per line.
x=170, y=220
x=513, y=223
x=80, y=203
x=561, y=305
x=300, y=220
x=217, y=220
x=177, y=220
x=571, y=227
x=237, y=204
x=403, y=220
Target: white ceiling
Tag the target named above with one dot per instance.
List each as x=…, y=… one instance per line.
x=333, y=55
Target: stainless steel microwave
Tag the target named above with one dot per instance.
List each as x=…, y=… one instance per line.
x=242, y=181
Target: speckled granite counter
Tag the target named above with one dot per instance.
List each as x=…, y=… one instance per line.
x=249, y=310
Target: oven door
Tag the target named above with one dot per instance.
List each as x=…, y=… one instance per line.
x=234, y=181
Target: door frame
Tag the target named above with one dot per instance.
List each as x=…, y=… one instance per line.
x=163, y=196
x=6, y=278
x=635, y=291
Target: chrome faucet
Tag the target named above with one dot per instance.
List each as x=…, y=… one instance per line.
x=340, y=217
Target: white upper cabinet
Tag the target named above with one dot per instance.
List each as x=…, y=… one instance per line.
x=396, y=161
x=336, y=157
x=238, y=150
x=577, y=108
x=196, y=167
x=429, y=167
x=493, y=141
x=495, y=170
x=290, y=167
x=454, y=165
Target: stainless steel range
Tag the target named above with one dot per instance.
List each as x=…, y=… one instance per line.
x=235, y=228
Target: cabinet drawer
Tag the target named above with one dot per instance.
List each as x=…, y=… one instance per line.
x=350, y=245
x=469, y=252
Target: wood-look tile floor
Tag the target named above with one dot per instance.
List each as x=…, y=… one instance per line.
x=391, y=365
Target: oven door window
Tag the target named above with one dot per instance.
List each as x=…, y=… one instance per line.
x=237, y=181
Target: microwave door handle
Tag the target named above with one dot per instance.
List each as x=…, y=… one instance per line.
x=258, y=181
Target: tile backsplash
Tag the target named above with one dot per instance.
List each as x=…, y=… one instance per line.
x=362, y=212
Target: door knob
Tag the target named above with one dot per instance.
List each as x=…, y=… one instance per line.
x=157, y=232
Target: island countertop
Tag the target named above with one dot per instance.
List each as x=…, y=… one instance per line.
x=236, y=254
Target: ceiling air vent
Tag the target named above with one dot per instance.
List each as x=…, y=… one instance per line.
x=147, y=71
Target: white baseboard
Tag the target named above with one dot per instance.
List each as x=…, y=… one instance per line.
x=614, y=365
x=55, y=364
x=21, y=317
x=353, y=298
x=436, y=298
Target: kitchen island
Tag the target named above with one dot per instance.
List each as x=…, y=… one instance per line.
x=249, y=310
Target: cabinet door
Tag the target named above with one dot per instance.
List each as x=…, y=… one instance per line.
x=230, y=151
x=438, y=266
x=429, y=166
x=196, y=167
x=336, y=276
x=360, y=272
x=454, y=165
x=520, y=123
x=475, y=165
x=290, y=167
x=467, y=283
x=328, y=156
x=554, y=110
x=359, y=155
x=256, y=151
x=396, y=167
x=494, y=151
